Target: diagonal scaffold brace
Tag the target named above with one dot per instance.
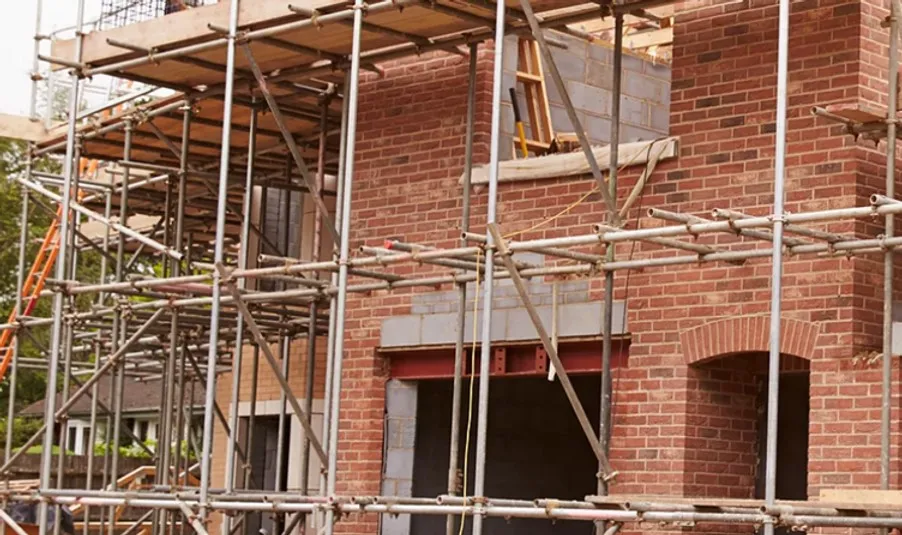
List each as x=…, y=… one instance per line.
x=261, y=342
x=308, y=178
x=506, y=257
x=548, y=62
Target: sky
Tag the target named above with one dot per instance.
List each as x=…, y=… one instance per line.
x=17, y=29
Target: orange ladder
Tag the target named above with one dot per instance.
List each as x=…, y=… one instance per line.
x=46, y=258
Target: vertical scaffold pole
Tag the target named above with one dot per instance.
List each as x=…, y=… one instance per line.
x=120, y=326
x=237, y=358
x=459, y=349
x=36, y=64
x=56, y=336
x=486, y=342
x=333, y=299
x=16, y=346
x=218, y=256
x=773, y=365
x=343, y=257
x=607, y=343
x=889, y=255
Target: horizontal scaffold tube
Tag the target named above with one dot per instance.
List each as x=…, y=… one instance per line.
x=659, y=512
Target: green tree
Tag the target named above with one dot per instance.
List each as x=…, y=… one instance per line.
x=30, y=384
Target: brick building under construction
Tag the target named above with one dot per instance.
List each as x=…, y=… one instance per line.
x=688, y=329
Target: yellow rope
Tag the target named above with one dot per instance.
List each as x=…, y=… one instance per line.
x=470, y=402
x=565, y=211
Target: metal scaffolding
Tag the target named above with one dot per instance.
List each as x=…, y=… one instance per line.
x=226, y=290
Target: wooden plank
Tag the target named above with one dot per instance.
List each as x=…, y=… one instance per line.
x=191, y=26
x=639, y=41
x=857, y=113
x=574, y=163
x=526, y=77
x=168, y=30
x=21, y=128
x=544, y=129
x=863, y=497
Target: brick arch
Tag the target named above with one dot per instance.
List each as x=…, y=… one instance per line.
x=744, y=334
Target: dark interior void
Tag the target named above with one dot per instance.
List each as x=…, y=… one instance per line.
x=535, y=449
x=263, y=466
x=792, y=438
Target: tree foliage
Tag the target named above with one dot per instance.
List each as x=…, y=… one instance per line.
x=30, y=384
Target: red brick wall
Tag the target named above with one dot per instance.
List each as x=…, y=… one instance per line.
x=723, y=109
x=410, y=154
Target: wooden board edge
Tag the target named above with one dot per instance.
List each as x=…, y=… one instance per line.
x=21, y=128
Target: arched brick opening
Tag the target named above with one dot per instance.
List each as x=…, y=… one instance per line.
x=726, y=427
x=726, y=405
x=745, y=334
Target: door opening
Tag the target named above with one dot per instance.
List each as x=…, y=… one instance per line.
x=535, y=448
x=792, y=438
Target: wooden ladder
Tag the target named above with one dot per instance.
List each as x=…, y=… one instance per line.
x=531, y=75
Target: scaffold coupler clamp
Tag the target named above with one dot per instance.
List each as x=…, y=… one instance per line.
x=609, y=476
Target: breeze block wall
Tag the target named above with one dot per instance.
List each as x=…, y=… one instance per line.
x=587, y=70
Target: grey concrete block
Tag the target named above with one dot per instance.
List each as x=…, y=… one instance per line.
x=506, y=150
x=574, y=45
x=426, y=297
x=897, y=311
x=540, y=288
x=554, y=96
x=440, y=308
x=630, y=133
x=573, y=286
x=580, y=319
x=600, y=74
x=508, y=79
x=598, y=129
x=601, y=53
x=661, y=71
x=421, y=309
x=659, y=118
x=506, y=302
x=571, y=66
x=644, y=87
x=393, y=440
x=395, y=525
x=591, y=99
x=389, y=487
x=520, y=326
x=399, y=331
x=531, y=258
x=405, y=488
x=633, y=63
x=401, y=399
x=576, y=297
x=511, y=53
x=439, y=329
x=897, y=338
x=507, y=291
x=449, y=296
x=499, y=322
x=560, y=121
x=407, y=433
x=399, y=464
x=633, y=111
